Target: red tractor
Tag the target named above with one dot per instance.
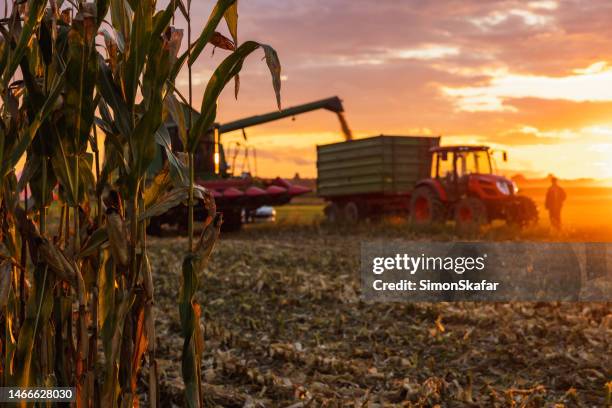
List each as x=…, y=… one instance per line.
x=415, y=176
x=464, y=187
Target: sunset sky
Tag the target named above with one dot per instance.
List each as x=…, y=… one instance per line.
x=534, y=78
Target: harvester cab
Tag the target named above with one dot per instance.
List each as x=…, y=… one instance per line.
x=464, y=186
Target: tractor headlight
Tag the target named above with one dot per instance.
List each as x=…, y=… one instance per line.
x=515, y=188
x=503, y=187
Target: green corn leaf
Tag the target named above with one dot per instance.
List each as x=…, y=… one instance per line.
x=177, y=113
x=94, y=242
x=31, y=167
x=121, y=18
x=144, y=146
x=112, y=96
x=137, y=48
x=42, y=190
x=62, y=166
x=38, y=311
x=229, y=68
x=178, y=169
x=163, y=19
x=231, y=18
x=81, y=69
x=25, y=140
x=36, y=10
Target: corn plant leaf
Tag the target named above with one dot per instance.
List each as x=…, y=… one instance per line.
x=107, y=287
x=81, y=69
x=178, y=169
x=121, y=18
x=144, y=142
x=6, y=270
x=94, y=242
x=112, y=96
x=275, y=69
x=41, y=185
x=220, y=41
x=30, y=168
x=36, y=10
x=38, y=311
x=101, y=11
x=208, y=238
x=27, y=136
x=163, y=18
x=209, y=29
x=116, y=230
x=170, y=200
x=112, y=338
x=231, y=18
x=140, y=346
x=137, y=48
x=228, y=69
x=45, y=41
x=157, y=187
x=177, y=113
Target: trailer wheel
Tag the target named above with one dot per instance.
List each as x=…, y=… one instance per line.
x=426, y=207
x=333, y=213
x=470, y=214
x=351, y=213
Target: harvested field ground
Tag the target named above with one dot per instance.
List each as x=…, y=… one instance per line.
x=284, y=326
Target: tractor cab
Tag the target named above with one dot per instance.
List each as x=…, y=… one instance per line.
x=463, y=186
x=469, y=170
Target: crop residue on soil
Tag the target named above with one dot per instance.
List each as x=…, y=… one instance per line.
x=284, y=326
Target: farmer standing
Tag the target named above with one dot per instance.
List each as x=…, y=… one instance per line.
x=554, y=202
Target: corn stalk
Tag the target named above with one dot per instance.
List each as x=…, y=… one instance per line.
x=70, y=84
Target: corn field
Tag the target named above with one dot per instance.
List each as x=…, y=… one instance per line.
x=86, y=90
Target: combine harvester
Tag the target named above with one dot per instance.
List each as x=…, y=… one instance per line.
x=415, y=176
x=238, y=196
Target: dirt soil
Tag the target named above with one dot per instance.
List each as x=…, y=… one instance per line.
x=284, y=326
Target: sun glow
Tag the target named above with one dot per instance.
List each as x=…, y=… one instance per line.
x=593, y=83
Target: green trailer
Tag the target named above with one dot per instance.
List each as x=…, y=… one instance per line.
x=369, y=177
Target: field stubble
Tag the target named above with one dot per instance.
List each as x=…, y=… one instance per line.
x=284, y=326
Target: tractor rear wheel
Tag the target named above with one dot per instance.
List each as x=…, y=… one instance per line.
x=426, y=207
x=470, y=214
x=333, y=213
x=351, y=213
x=522, y=212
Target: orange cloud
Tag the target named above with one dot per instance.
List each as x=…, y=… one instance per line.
x=531, y=77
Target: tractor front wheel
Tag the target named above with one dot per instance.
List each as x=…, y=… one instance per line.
x=426, y=207
x=470, y=214
x=522, y=212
